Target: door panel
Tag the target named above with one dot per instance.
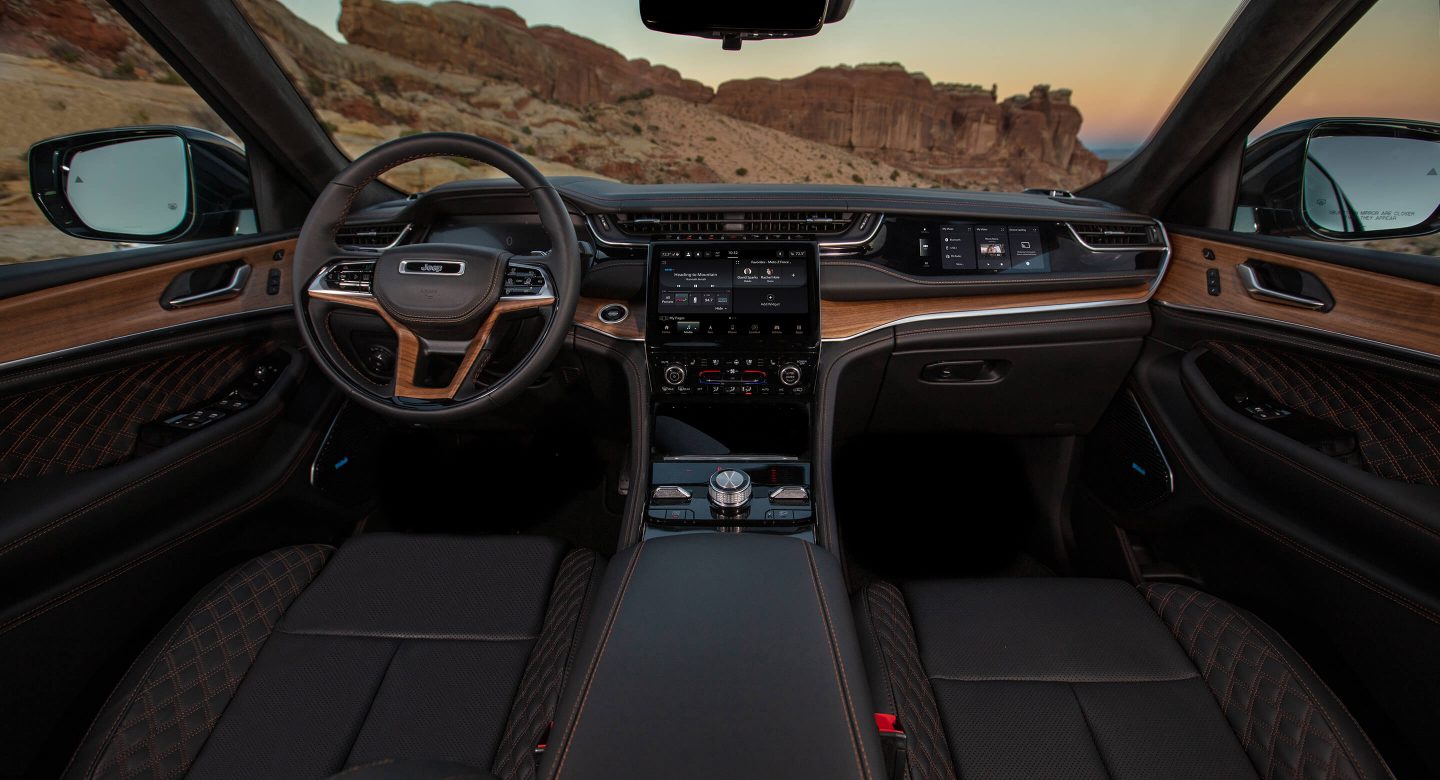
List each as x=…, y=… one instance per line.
x=136, y=442
x=1384, y=309
x=121, y=305
x=1305, y=448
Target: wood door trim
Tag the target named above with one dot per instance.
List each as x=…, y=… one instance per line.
x=847, y=319
x=116, y=306
x=1370, y=306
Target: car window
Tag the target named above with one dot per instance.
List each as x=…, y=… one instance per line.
x=84, y=69
x=1387, y=66
x=903, y=93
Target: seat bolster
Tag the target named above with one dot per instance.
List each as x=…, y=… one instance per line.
x=1288, y=721
x=902, y=689
x=159, y=716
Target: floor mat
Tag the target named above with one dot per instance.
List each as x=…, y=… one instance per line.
x=551, y=483
x=912, y=509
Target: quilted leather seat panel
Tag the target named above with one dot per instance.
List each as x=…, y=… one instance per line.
x=1052, y=678
x=1284, y=717
x=92, y=422
x=403, y=648
x=1396, y=421
x=164, y=719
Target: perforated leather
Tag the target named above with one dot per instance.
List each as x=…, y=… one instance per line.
x=402, y=649
x=1050, y=678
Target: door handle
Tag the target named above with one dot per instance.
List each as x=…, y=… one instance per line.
x=1256, y=288
x=230, y=289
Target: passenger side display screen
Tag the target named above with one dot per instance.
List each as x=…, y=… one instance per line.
x=721, y=291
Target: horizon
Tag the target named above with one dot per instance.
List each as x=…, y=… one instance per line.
x=1121, y=104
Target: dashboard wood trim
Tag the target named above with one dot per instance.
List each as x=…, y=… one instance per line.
x=847, y=319
x=632, y=328
x=126, y=304
x=1368, y=306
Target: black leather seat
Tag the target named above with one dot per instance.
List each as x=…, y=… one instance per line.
x=1049, y=678
x=304, y=662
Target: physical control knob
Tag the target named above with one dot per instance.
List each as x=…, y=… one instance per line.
x=790, y=375
x=674, y=375
x=730, y=489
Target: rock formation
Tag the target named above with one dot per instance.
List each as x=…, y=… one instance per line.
x=557, y=64
x=885, y=111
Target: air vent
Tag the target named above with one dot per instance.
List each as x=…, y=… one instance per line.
x=1107, y=236
x=377, y=237
x=752, y=225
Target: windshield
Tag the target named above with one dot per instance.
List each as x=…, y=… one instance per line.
x=909, y=93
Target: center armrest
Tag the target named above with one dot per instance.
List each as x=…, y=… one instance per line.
x=718, y=655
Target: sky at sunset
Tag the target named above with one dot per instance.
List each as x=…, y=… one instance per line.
x=1125, y=60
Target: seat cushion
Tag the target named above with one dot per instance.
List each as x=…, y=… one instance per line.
x=397, y=648
x=1073, y=678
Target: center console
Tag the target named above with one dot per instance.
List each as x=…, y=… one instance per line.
x=739, y=320
x=732, y=343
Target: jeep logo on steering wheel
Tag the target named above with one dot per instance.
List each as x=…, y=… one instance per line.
x=432, y=267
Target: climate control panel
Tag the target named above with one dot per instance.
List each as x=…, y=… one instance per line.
x=730, y=374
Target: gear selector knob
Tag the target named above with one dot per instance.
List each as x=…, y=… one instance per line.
x=730, y=489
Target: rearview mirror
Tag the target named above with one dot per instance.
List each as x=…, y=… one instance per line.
x=734, y=21
x=1371, y=181
x=1343, y=180
x=150, y=185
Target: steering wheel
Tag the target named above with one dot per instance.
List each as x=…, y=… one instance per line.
x=442, y=300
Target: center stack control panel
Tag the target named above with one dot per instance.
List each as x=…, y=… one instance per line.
x=733, y=320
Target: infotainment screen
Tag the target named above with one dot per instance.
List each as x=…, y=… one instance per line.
x=733, y=292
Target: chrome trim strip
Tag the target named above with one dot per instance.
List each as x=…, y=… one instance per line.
x=404, y=232
x=60, y=353
x=1169, y=470
x=599, y=237
x=1141, y=248
x=232, y=289
x=547, y=290
x=723, y=458
x=1150, y=293
x=879, y=223
x=1357, y=340
x=405, y=267
x=823, y=245
x=1255, y=288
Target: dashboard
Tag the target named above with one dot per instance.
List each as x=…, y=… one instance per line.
x=733, y=290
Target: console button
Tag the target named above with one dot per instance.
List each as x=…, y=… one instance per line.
x=674, y=375
x=790, y=375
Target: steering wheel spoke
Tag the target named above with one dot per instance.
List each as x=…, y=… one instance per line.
x=416, y=352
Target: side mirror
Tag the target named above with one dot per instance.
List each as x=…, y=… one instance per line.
x=1345, y=179
x=151, y=185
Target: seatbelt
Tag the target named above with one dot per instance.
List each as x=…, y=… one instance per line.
x=892, y=744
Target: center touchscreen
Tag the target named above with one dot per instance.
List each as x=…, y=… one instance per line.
x=752, y=293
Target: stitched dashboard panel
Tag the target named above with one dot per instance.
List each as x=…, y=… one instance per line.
x=1397, y=422
x=177, y=703
x=1282, y=727
x=94, y=421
